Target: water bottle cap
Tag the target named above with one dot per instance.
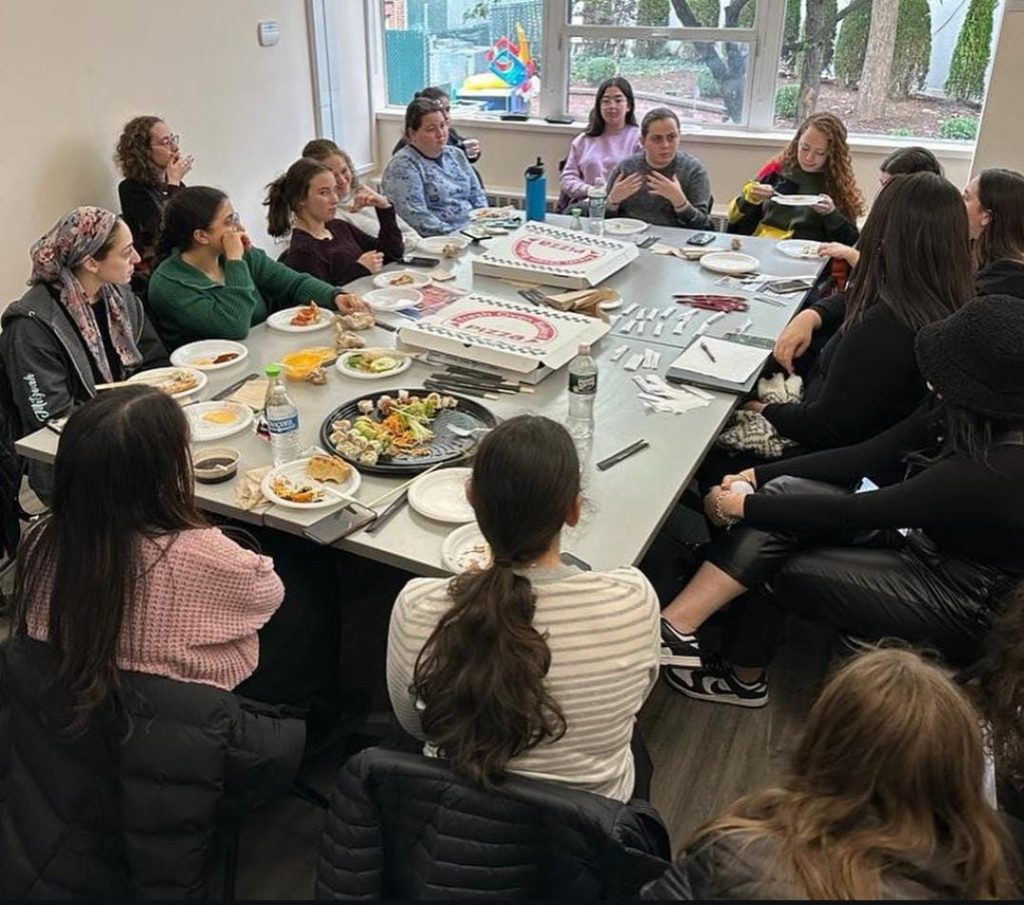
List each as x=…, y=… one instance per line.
x=273, y=370
x=584, y=349
x=576, y=211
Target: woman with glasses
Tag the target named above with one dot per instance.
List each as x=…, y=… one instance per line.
x=212, y=283
x=148, y=155
x=469, y=146
x=430, y=183
x=612, y=135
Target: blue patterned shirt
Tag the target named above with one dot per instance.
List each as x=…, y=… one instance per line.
x=433, y=195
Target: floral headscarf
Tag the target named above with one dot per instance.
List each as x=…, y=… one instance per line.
x=77, y=235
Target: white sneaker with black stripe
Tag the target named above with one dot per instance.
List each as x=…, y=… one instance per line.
x=678, y=648
x=718, y=684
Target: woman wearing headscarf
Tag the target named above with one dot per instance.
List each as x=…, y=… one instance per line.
x=78, y=325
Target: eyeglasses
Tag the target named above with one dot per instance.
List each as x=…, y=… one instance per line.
x=168, y=141
x=235, y=220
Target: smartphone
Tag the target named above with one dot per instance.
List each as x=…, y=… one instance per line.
x=340, y=523
x=416, y=261
x=646, y=242
x=784, y=286
x=476, y=233
x=571, y=560
x=701, y=239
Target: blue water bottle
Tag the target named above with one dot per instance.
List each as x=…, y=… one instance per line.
x=536, y=191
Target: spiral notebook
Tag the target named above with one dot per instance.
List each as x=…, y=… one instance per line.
x=718, y=364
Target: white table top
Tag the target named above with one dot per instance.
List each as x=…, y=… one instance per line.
x=625, y=505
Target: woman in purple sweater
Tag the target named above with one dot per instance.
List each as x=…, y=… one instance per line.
x=303, y=202
x=612, y=136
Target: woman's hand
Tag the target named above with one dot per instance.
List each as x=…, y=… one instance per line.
x=371, y=260
x=624, y=187
x=178, y=168
x=723, y=508
x=753, y=406
x=367, y=197
x=759, y=191
x=348, y=303
x=669, y=189
x=838, y=250
x=235, y=244
x=746, y=475
x=825, y=206
x=795, y=338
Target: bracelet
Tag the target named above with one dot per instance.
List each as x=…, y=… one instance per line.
x=727, y=520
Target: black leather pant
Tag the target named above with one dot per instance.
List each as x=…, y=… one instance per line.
x=874, y=584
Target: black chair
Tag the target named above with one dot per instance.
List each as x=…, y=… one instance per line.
x=404, y=826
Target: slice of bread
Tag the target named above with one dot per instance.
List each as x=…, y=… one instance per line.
x=328, y=468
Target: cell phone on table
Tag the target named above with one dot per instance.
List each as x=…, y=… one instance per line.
x=476, y=233
x=417, y=261
x=784, y=286
x=701, y=239
x=646, y=242
x=570, y=560
x=340, y=523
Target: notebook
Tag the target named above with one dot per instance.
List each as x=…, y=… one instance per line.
x=718, y=364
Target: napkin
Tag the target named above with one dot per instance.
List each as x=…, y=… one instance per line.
x=248, y=493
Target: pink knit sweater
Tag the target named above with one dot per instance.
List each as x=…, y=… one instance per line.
x=199, y=604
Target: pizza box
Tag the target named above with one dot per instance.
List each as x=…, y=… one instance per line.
x=513, y=336
x=551, y=255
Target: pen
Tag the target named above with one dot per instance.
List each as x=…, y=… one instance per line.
x=707, y=351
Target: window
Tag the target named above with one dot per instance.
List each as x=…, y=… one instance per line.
x=738, y=63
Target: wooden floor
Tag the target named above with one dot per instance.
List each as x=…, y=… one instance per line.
x=705, y=756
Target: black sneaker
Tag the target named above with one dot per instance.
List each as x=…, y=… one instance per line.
x=718, y=685
x=678, y=648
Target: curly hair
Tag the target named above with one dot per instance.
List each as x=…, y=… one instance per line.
x=839, y=179
x=132, y=152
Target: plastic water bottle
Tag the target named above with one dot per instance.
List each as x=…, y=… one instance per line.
x=582, y=392
x=598, y=198
x=536, y=191
x=576, y=222
x=282, y=418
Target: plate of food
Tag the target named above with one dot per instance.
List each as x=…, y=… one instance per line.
x=466, y=548
x=730, y=262
x=624, y=226
x=400, y=279
x=441, y=495
x=393, y=299
x=209, y=354
x=175, y=382
x=315, y=482
x=445, y=246
x=216, y=420
x=798, y=248
x=301, y=319
x=403, y=431
x=373, y=364
x=796, y=200
x=483, y=214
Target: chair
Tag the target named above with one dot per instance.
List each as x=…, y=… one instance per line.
x=405, y=826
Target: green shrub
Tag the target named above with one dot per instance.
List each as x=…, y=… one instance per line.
x=966, y=80
x=901, y=132
x=707, y=12
x=785, y=101
x=651, y=12
x=707, y=84
x=911, y=55
x=851, y=45
x=600, y=68
x=791, y=33
x=960, y=128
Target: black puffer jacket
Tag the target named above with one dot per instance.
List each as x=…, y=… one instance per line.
x=101, y=816
x=402, y=826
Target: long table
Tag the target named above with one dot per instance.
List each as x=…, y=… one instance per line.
x=624, y=506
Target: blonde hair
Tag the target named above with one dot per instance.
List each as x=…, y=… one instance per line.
x=888, y=771
x=840, y=182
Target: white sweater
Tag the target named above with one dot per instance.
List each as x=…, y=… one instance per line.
x=602, y=629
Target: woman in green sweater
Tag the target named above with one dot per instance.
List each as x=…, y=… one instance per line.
x=213, y=284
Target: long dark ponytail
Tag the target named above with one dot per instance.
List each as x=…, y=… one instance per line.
x=286, y=192
x=481, y=673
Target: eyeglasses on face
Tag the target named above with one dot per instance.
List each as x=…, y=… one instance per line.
x=168, y=141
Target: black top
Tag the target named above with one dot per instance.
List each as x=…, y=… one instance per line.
x=970, y=509
x=1001, y=278
x=142, y=208
x=865, y=380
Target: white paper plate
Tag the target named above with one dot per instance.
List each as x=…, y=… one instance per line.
x=155, y=376
x=441, y=495
x=437, y=244
x=624, y=226
x=384, y=280
x=297, y=469
x=729, y=262
x=341, y=364
x=796, y=200
x=798, y=248
x=479, y=214
x=280, y=320
x=203, y=430
x=393, y=299
x=460, y=550
x=190, y=355
x=611, y=304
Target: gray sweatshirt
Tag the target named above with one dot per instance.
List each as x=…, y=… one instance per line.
x=657, y=210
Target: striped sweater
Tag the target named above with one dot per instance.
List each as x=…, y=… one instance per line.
x=602, y=629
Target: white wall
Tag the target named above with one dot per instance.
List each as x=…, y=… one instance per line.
x=75, y=72
x=1001, y=136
